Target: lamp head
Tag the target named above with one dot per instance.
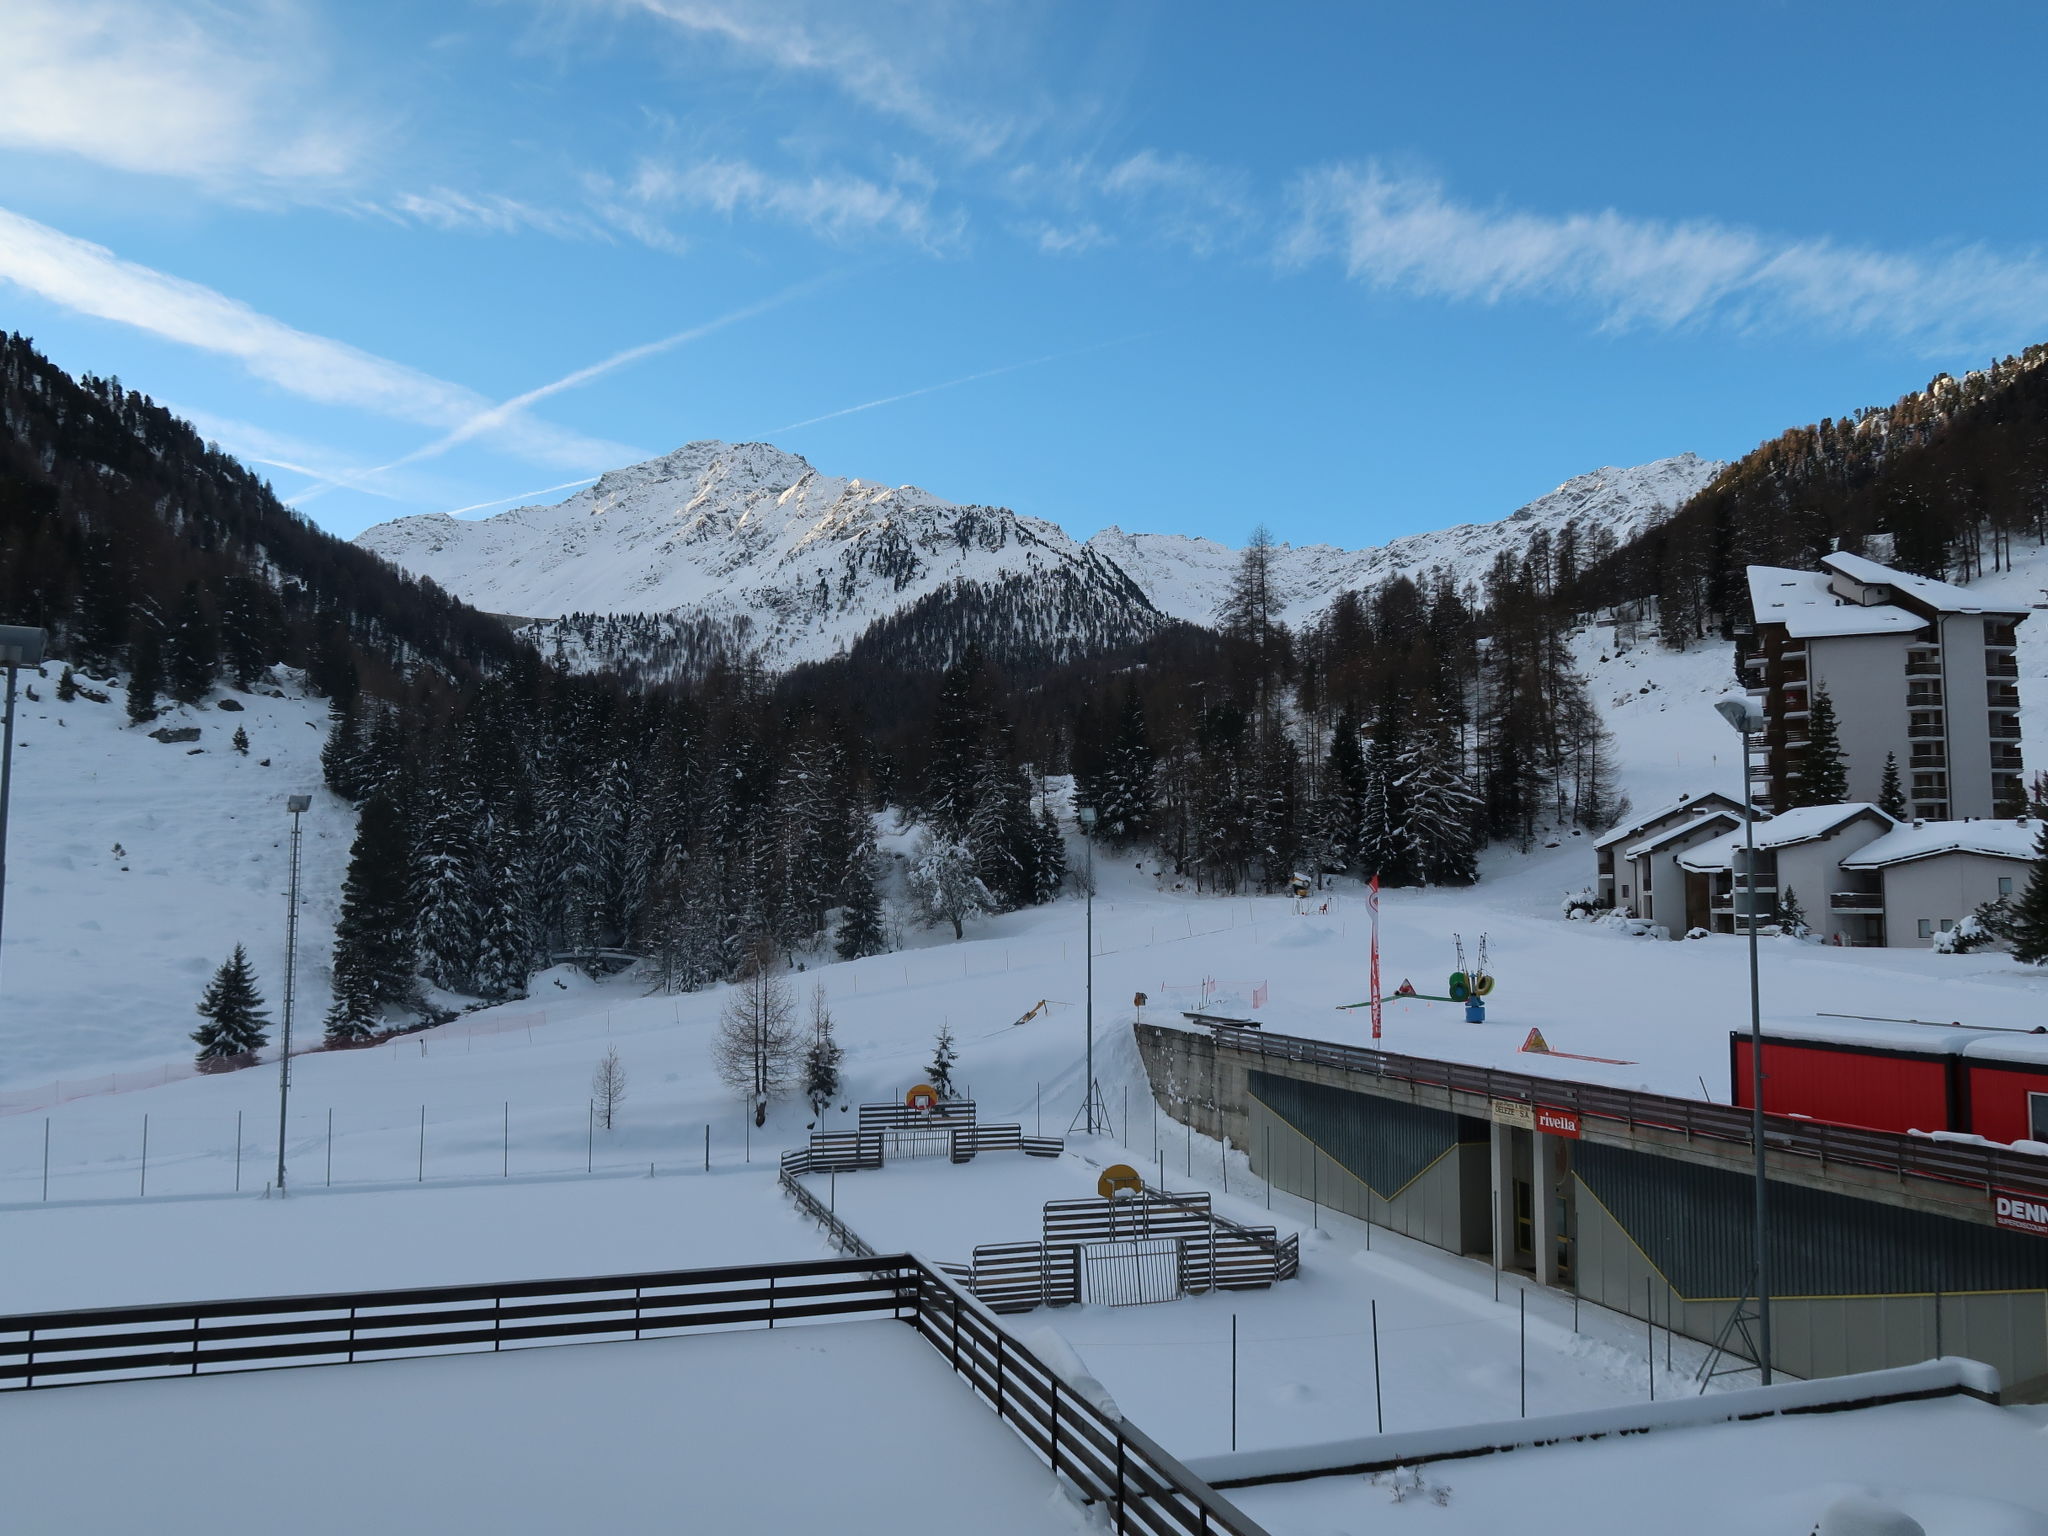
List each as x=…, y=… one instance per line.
x=21, y=645
x=1086, y=816
x=1740, y=714
x=297, y=803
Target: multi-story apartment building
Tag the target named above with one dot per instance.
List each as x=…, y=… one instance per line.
x=1915, y=668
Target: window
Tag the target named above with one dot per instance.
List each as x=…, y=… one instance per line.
x=1926, y=928
x=2037, y=1116
x=2005, y=885
x=1624, y=891
x=1948, y=925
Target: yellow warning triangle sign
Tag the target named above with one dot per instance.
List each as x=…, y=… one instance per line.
x=1536, y=1042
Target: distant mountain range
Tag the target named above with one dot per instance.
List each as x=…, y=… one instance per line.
x=737, y=549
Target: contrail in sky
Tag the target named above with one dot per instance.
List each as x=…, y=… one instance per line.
x=543, y=491
x=932, y=389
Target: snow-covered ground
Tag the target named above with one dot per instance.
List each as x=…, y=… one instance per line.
x=1958, y=1466
x=134, y=867
x=757, y=1431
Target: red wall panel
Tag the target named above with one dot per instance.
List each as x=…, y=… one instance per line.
x=1881, y=1091
x=1998, y=1097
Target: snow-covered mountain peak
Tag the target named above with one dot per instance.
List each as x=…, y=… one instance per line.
x=757, y=544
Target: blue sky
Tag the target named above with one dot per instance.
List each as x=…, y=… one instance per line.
x=1350, y=270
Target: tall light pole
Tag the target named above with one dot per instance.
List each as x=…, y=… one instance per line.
x=298, y=805
x=20, y=646
x=1086, y=816
x=1745, y=719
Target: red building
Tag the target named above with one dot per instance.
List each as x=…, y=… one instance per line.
x=1902, y=1077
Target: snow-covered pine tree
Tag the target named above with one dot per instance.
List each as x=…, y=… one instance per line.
x=235, y=1020
x=822, y=1056
x=1000, y=828
x=1048, y=862
x=240, y=741
x=944, y=1059
x=2029, y=922
x=861, y=927
x=374, y=940
x=1383, y=850
x=1823, y=772
x=191, y=648
x=342, y=754
x=962, y=720
x=1443, y=813
x=1791, y=915
x=67, y=686
x=1275, y=815
x=945, y=885
x=1126, y=797
x=1340, y=801
x=1891, y=797
x=504, y=958
x=446, y=889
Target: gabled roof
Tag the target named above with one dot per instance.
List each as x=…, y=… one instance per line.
x=1943, y=596
x=1635, y=825
x=1994, y=839
x=1804, y=824
x=1669, y=835
x=1807, y=607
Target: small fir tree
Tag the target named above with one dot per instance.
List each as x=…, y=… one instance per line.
x=1824, y=776
x=145, y=676
x=861, y=927
x=235, y=1020
x=240, y=741
x=2029, y=922
x=1792, y=916
x=822, y=1057
x=944, y=1059
x=1891, y=797
x=67, y=686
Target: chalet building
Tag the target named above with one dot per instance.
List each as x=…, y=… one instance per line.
x=1915, y=668
x=1934, y=874
x=1636, y=856
x=1800, y=852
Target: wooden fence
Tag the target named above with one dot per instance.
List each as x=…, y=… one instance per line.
x=901, y=1117
x=1106, y=1459
x=1987, y=1168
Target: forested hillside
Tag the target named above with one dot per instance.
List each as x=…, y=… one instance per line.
x=1948, y=477
x=519, y=809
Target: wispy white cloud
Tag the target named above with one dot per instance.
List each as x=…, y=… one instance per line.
x=91, y=280
x=1407, y=233
x=215, y=92
x=1066, y=240
x=837, y=206
x=822, y=41
x=490, y=213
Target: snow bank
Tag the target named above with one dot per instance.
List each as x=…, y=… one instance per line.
x=1933, y=1378
x=1059, y=1357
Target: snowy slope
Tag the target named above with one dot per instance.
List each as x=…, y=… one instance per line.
x=134, y=867
x=757, y=545
x=1188, y=578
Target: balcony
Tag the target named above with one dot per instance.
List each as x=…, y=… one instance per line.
x=1923, y=698
x=2005, y=730
x=1923, y=669
x=1925, y=732
x=1996, y=665
x=1854, y=902
x=2001, y=696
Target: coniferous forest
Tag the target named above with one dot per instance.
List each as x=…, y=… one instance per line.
x=515, y=812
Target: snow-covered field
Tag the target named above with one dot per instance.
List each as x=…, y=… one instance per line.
x=759, y=1431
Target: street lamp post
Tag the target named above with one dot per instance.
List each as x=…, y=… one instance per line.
x=1086, y=816
x=21, y=645
x=1739, y=714
x=298, y=805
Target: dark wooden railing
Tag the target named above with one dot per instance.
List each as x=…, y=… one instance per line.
x=1103, y=1457
x=1985, y=1168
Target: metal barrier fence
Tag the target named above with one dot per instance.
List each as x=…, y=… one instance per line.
x=1103, y=1457
x=1986, y=1168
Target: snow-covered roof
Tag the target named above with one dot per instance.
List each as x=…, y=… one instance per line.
x=1801, y=825
x=1941, y=595
x=2004, y=1045
x=1684, y=829
x=1803, y=602
x=1635, y=824
x=1997, y=839
x=1873, y=1034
